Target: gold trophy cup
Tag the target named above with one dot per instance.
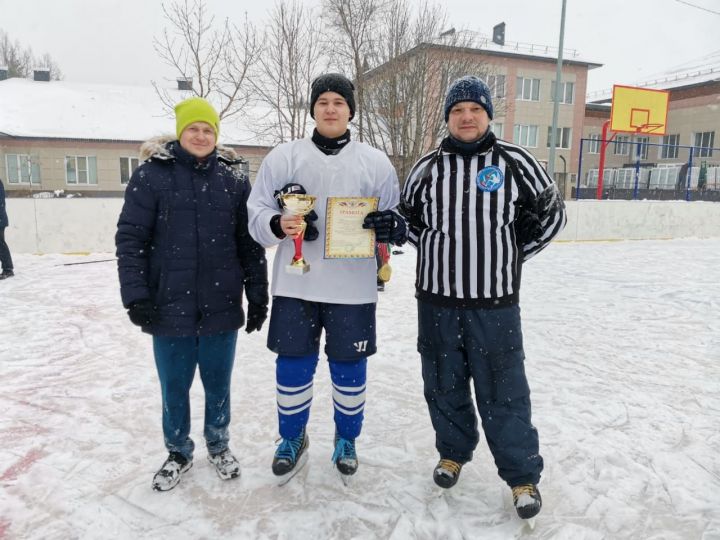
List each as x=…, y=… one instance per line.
x=298, y=205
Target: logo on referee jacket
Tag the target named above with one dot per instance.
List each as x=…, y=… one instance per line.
x=490, y=178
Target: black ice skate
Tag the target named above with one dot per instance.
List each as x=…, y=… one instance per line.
x=170, y=473
x=446, y=473
x=290, y=456
x=527, y=500
x=226, y=464
x=345, y=457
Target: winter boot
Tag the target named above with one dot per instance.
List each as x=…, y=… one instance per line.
x=170, y=473
x=226, y=464
x=446, y=473
x=6, y=274
x=290, y=455
x=527, y=500
x=344, y=457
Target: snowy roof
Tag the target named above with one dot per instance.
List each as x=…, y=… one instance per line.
x=666, y=81
x=477, y=40
x=67, y=110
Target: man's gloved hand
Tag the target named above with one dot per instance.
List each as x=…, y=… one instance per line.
x=311, y=232
x=256, y=315
x=528, y=227
x=142, y=312
x=389, y=227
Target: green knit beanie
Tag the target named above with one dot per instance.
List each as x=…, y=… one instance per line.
x=195, y=109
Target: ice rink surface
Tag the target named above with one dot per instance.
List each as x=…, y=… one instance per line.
x=623, y=357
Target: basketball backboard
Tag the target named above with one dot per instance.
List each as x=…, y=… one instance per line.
x=639, y=110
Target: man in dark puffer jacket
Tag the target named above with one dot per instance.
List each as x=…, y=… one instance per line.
x=184, y=257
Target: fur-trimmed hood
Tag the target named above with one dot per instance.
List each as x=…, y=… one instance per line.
x=158, y=148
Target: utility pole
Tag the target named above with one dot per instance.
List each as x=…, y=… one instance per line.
x=556, y=97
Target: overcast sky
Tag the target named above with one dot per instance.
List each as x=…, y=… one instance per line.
x=635, y=40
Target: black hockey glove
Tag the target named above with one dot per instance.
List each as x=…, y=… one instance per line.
x=311, y=232
x=527, y=225
x=389, y=227
x=256, y=315
x=142, y=312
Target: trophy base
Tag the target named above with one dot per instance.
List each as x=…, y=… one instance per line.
x=298, y=269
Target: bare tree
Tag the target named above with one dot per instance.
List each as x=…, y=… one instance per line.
x=217, y=58
x=20, y=61
x=290, y=59
x=353, y=24
x=404, y=96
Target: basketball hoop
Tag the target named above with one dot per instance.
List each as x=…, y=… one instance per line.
x=639, y=110
x=634, y=110
x=648, y=128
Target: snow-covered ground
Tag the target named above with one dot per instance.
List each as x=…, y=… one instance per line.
x=623, y=346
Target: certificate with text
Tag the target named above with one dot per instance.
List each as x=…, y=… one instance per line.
x=345, y=237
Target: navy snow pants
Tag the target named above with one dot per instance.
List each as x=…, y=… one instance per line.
x=484, y=346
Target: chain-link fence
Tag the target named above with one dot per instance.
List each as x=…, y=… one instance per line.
x=638, y=169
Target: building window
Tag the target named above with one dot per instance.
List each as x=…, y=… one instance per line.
x=497, y=85
x=641, y=147
x=81, y=170
x=497, y=129
x=621, y=145
x=127, y=167
x=22, y=169
x=528, y=89
x=526, y=135
x=663, y=177
x=563, y=136
x=594, y=143
x=669, y=150
x=567, y=92
x=703, y=143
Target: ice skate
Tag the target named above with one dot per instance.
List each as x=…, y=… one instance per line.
x=345, y=458
x=290, y=456
x=527, y=501
x=446, y=473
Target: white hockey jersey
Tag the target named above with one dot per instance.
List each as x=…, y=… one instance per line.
x=358, y=170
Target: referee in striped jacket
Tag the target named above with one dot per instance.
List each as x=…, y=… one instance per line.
x=477, y=209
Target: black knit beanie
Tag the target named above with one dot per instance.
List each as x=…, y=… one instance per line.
x=333, y=82
x=469, y=88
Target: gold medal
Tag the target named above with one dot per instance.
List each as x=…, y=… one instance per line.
x=385, y=272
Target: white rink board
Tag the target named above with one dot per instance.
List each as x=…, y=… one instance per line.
x=88, y=225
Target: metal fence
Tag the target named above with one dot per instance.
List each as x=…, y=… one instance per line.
x=639, y=169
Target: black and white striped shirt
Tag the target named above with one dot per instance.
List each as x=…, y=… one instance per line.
x=461, y=210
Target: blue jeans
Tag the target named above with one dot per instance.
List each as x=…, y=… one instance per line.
x=176, y=359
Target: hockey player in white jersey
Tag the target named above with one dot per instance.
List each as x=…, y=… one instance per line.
x=338, y=295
